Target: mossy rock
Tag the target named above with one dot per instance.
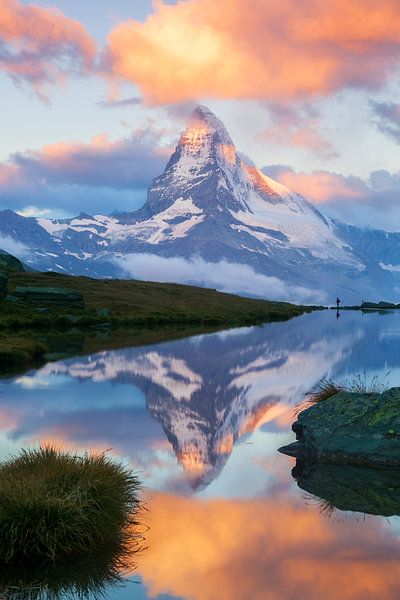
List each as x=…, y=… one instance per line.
x=359, y=428
x=50, y=296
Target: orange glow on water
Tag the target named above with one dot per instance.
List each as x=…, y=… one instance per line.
x=264, y=549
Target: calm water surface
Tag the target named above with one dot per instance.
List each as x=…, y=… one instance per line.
x=201, y=420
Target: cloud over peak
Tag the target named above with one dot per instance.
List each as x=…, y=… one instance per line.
x=281, y=49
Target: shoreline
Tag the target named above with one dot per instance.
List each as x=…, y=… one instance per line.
x=116, y=312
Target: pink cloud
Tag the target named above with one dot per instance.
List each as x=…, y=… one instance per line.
x=281, y=49
x=41, y=46
x=321, y=186
x=118, y=164
x=372, y=202
x=102, y=175
x=297, y=128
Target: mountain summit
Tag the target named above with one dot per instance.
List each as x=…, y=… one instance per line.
x=211, y=204
x=209, y=194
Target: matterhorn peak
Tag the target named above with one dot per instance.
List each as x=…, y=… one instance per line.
x=204, y=120
x=204, y=167
x=206, y=136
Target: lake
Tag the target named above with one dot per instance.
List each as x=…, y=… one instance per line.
x=200, y=420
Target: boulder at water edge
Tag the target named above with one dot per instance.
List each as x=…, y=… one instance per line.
x=350, y=428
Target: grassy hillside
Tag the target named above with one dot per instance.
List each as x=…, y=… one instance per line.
x=144, y=303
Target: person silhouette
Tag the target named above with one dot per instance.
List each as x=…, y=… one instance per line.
x=337, y=303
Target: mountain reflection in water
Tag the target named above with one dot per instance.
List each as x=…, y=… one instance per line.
x=201, y=420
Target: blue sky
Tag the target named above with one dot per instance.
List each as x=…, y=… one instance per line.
x=338, y=145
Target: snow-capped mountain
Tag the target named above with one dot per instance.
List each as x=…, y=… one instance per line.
x=210, y=203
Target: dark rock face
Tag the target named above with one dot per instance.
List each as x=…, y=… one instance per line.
x=351, y=488
x=61, y=297
x=350, y=428
x=3, y=286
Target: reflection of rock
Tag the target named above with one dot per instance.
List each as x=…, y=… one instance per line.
x=350, y=428
x=50, y=296
x=351, y=488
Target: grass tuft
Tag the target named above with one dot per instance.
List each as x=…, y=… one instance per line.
x=56, y=506
x=328, y=387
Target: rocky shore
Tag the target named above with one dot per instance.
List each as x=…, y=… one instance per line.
x=350, y=428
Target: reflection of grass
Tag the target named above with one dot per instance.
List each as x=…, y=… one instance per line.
x=18, y=351
x=328, y=387
x=88, y=575
x=55, y=506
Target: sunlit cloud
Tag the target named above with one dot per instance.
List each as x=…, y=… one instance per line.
x=40, y=47
x=319, y=186
x=277, y=50
x=118, y=164
x=34, y=211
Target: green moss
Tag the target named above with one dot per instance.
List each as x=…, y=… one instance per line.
x=10, y=263
x=353, y=427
